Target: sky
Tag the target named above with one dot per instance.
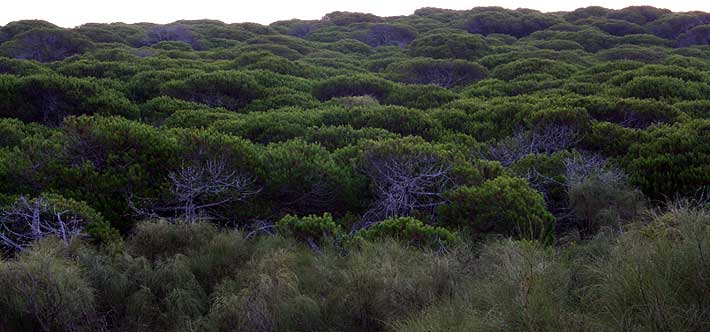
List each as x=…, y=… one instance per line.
x=71, y=13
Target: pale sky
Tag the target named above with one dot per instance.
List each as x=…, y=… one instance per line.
x=70, y=13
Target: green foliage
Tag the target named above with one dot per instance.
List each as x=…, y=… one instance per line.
x=664, y=260
x=48, y=99
x=420, y=96
x=43, y=290
x=449, y=45
x=45, y=45
x=671, y=160
x=610, y=139
x=20, y=67
x=111, y=155
x=335, y=137
x=396, y=119
x=439, y=72
x=215, y=280
x=357, y=85
x=520, y=68
x=504, y=205
x=229, y=89
x=409, y=230
x=322, y=123
x=664, y=88
x=96, y=226
x=303, y=177
x=308, y=228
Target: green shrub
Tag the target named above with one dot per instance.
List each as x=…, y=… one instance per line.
x=444, y=73
x=304, y=178
x=420, y=96
x=356, y=85
x=385, y=281
x=270, y=298
x=504, y=205
x=110, y=155
x=449, y=45
x=522, y=67
x=698, y=109
x=21, y=67
x=671, y=160
x=610, y=139
x=160, y=239
x=48, y=99
x=46, y=45
x=335, y=137
x=663, y=88
x=44, y=291
x=229, y=89
x=638, y=113
x=283, y=97
x=409, y=230
x=667, y=260
x=601, y=199
x=396, y=119
x=310, y=228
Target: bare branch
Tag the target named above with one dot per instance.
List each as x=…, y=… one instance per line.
x=549, y=139
x=404, y=184
x=196, y=191
x=27, y=221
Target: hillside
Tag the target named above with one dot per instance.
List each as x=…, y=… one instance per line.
x=478, y=170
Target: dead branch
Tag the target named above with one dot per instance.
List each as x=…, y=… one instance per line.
x=404, y=184
x=549, y=139
x=196, y=192
x=27, y=221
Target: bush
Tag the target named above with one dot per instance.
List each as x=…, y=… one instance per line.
x=667, y=260
x=268, y=298
x=48, y=99
x=229, y=89
x=50, y=215
x=385, y=281
x=409, y=230
x=504, y=205
x=20, y=67
x=160, y=239
x=335, y=137
x=599, y=195
x=15, y=28
x=389, y=34
x=444, y=73
x=43, y=291
x=695, y=36
x=633, y=53
x=523, y=67
x=663, y=88
x=610, y=139
x=449, y=45
x=670, y=160
x=105, y=158
x=175, y=33
x=420, y=96
x=310, y=229
x=356, y=85
x=281, y=98
x=637, y=113
x=509, y=23
x=304, y=178
x=397, y=119
x=45, y=45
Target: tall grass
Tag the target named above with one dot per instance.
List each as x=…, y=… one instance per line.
x=653, y=275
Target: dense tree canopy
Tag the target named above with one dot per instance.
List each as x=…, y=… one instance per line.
x=450, y=170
